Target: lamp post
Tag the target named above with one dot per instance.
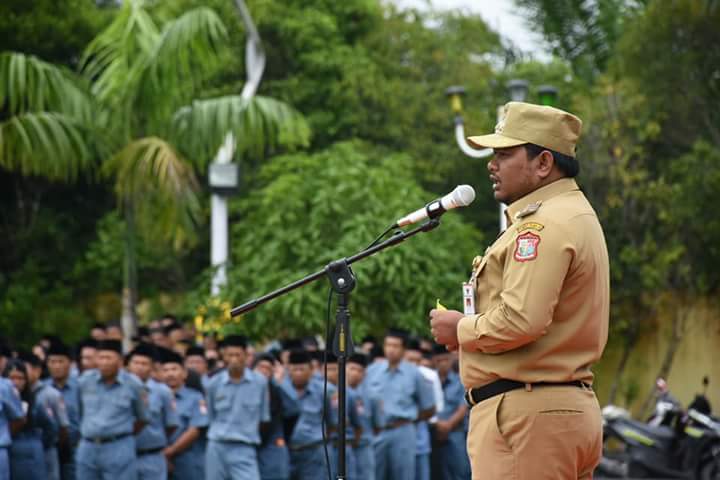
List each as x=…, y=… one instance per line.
x=223, y=174
x=224, y=179
x=517, y=90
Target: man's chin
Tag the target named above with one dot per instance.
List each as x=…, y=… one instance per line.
x=499, y=197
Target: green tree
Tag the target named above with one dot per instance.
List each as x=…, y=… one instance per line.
x=56, y=31
x=310, y=209
x=584, y=33
x=145, y=78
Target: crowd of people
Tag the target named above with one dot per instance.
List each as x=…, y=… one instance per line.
x=179, y=406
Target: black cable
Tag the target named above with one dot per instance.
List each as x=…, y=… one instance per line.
x=325, y=382
x=380, y=237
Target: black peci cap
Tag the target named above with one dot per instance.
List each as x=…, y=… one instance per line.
x=59, y=348
x=292, y=344
x=358, y=358
x=299, y=357
x=29, y=358
x=263, y=357
x=235, y=341
x=165, y=355
x=195, y=351
x=144, y=350
x=111, y=345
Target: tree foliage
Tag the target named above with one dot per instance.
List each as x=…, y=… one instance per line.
x=310, y=209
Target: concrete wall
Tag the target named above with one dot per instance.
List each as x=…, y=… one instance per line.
x=697, y=356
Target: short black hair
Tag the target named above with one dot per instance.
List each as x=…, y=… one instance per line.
x=569, y=166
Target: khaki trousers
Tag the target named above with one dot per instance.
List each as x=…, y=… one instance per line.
x=547, y=433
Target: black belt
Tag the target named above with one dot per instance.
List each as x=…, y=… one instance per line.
x=101, y=440
x=307, y=446
x=477, y=395
x=397, y=423
x=148, y=451
x=237, y=442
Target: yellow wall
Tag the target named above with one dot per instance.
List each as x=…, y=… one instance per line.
x=697, y=356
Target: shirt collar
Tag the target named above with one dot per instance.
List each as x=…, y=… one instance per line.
x=540, y=195
x=245, y=378
x=119, y=379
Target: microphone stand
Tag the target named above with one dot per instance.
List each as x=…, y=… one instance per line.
x=342, y=280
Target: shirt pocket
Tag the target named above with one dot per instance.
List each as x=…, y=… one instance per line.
x=312, y=410
x=482, y=294
x=121, y=401
x=251, y=407
x=155, y=405
x=223, y=404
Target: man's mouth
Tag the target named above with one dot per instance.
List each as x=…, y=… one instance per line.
x=495, y=182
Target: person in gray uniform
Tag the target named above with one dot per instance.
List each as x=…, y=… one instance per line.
x=113, y=407
x=238, y=403
x=162, y=416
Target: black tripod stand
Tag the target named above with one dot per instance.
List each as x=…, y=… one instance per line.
x=342, y=281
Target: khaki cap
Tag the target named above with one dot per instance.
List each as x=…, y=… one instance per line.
x=523, y=123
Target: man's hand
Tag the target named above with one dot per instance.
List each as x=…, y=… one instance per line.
x=443, y=327
x=442, y=430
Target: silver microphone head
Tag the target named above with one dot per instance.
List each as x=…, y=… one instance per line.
x=462, y=196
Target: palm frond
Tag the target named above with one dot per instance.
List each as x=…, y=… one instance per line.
x=28, y=84
x=186, y=43
x=115, y=59
x=258, y=124
x=47, y=144
x=182, y=57
x=160, y=183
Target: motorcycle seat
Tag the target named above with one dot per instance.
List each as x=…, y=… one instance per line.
x=660, y=433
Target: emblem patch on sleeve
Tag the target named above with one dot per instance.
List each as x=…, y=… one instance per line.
x=526, y=247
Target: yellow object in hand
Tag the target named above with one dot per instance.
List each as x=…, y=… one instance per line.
x=439, y=306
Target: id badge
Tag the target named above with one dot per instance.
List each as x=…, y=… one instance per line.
x=469, y=298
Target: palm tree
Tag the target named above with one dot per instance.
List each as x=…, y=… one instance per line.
x=142, y=117
x=45, y=118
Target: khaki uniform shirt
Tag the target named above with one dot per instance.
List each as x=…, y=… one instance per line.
x=542, y=296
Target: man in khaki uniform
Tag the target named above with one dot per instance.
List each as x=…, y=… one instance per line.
x=540, y=314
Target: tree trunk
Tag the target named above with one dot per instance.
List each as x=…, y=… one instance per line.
x=129, y=291
x=678, y=332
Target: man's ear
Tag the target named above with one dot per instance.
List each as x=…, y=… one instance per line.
x=546, y=162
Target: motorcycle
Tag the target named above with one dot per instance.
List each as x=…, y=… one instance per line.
x=673, y=444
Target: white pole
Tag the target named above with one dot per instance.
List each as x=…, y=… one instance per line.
x=219, y=223
x=219, y=242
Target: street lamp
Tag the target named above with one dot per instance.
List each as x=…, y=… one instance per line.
x=547, y=94
x=224, y=176
x=517, y=90
x=455, y=94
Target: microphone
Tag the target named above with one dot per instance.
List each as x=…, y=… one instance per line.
x=462, y=196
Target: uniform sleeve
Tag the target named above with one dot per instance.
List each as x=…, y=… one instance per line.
x=331, y=406
x=60, y=409
x=439, y=394
x=172, y=419
x=265, y=403
x=199, y=413
x=11, y=401
x=353, y=411
x=43, y=417
x=210, y=399
x=536, y=265
x=425, y=394
x=140, y=402
x=378, y=412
